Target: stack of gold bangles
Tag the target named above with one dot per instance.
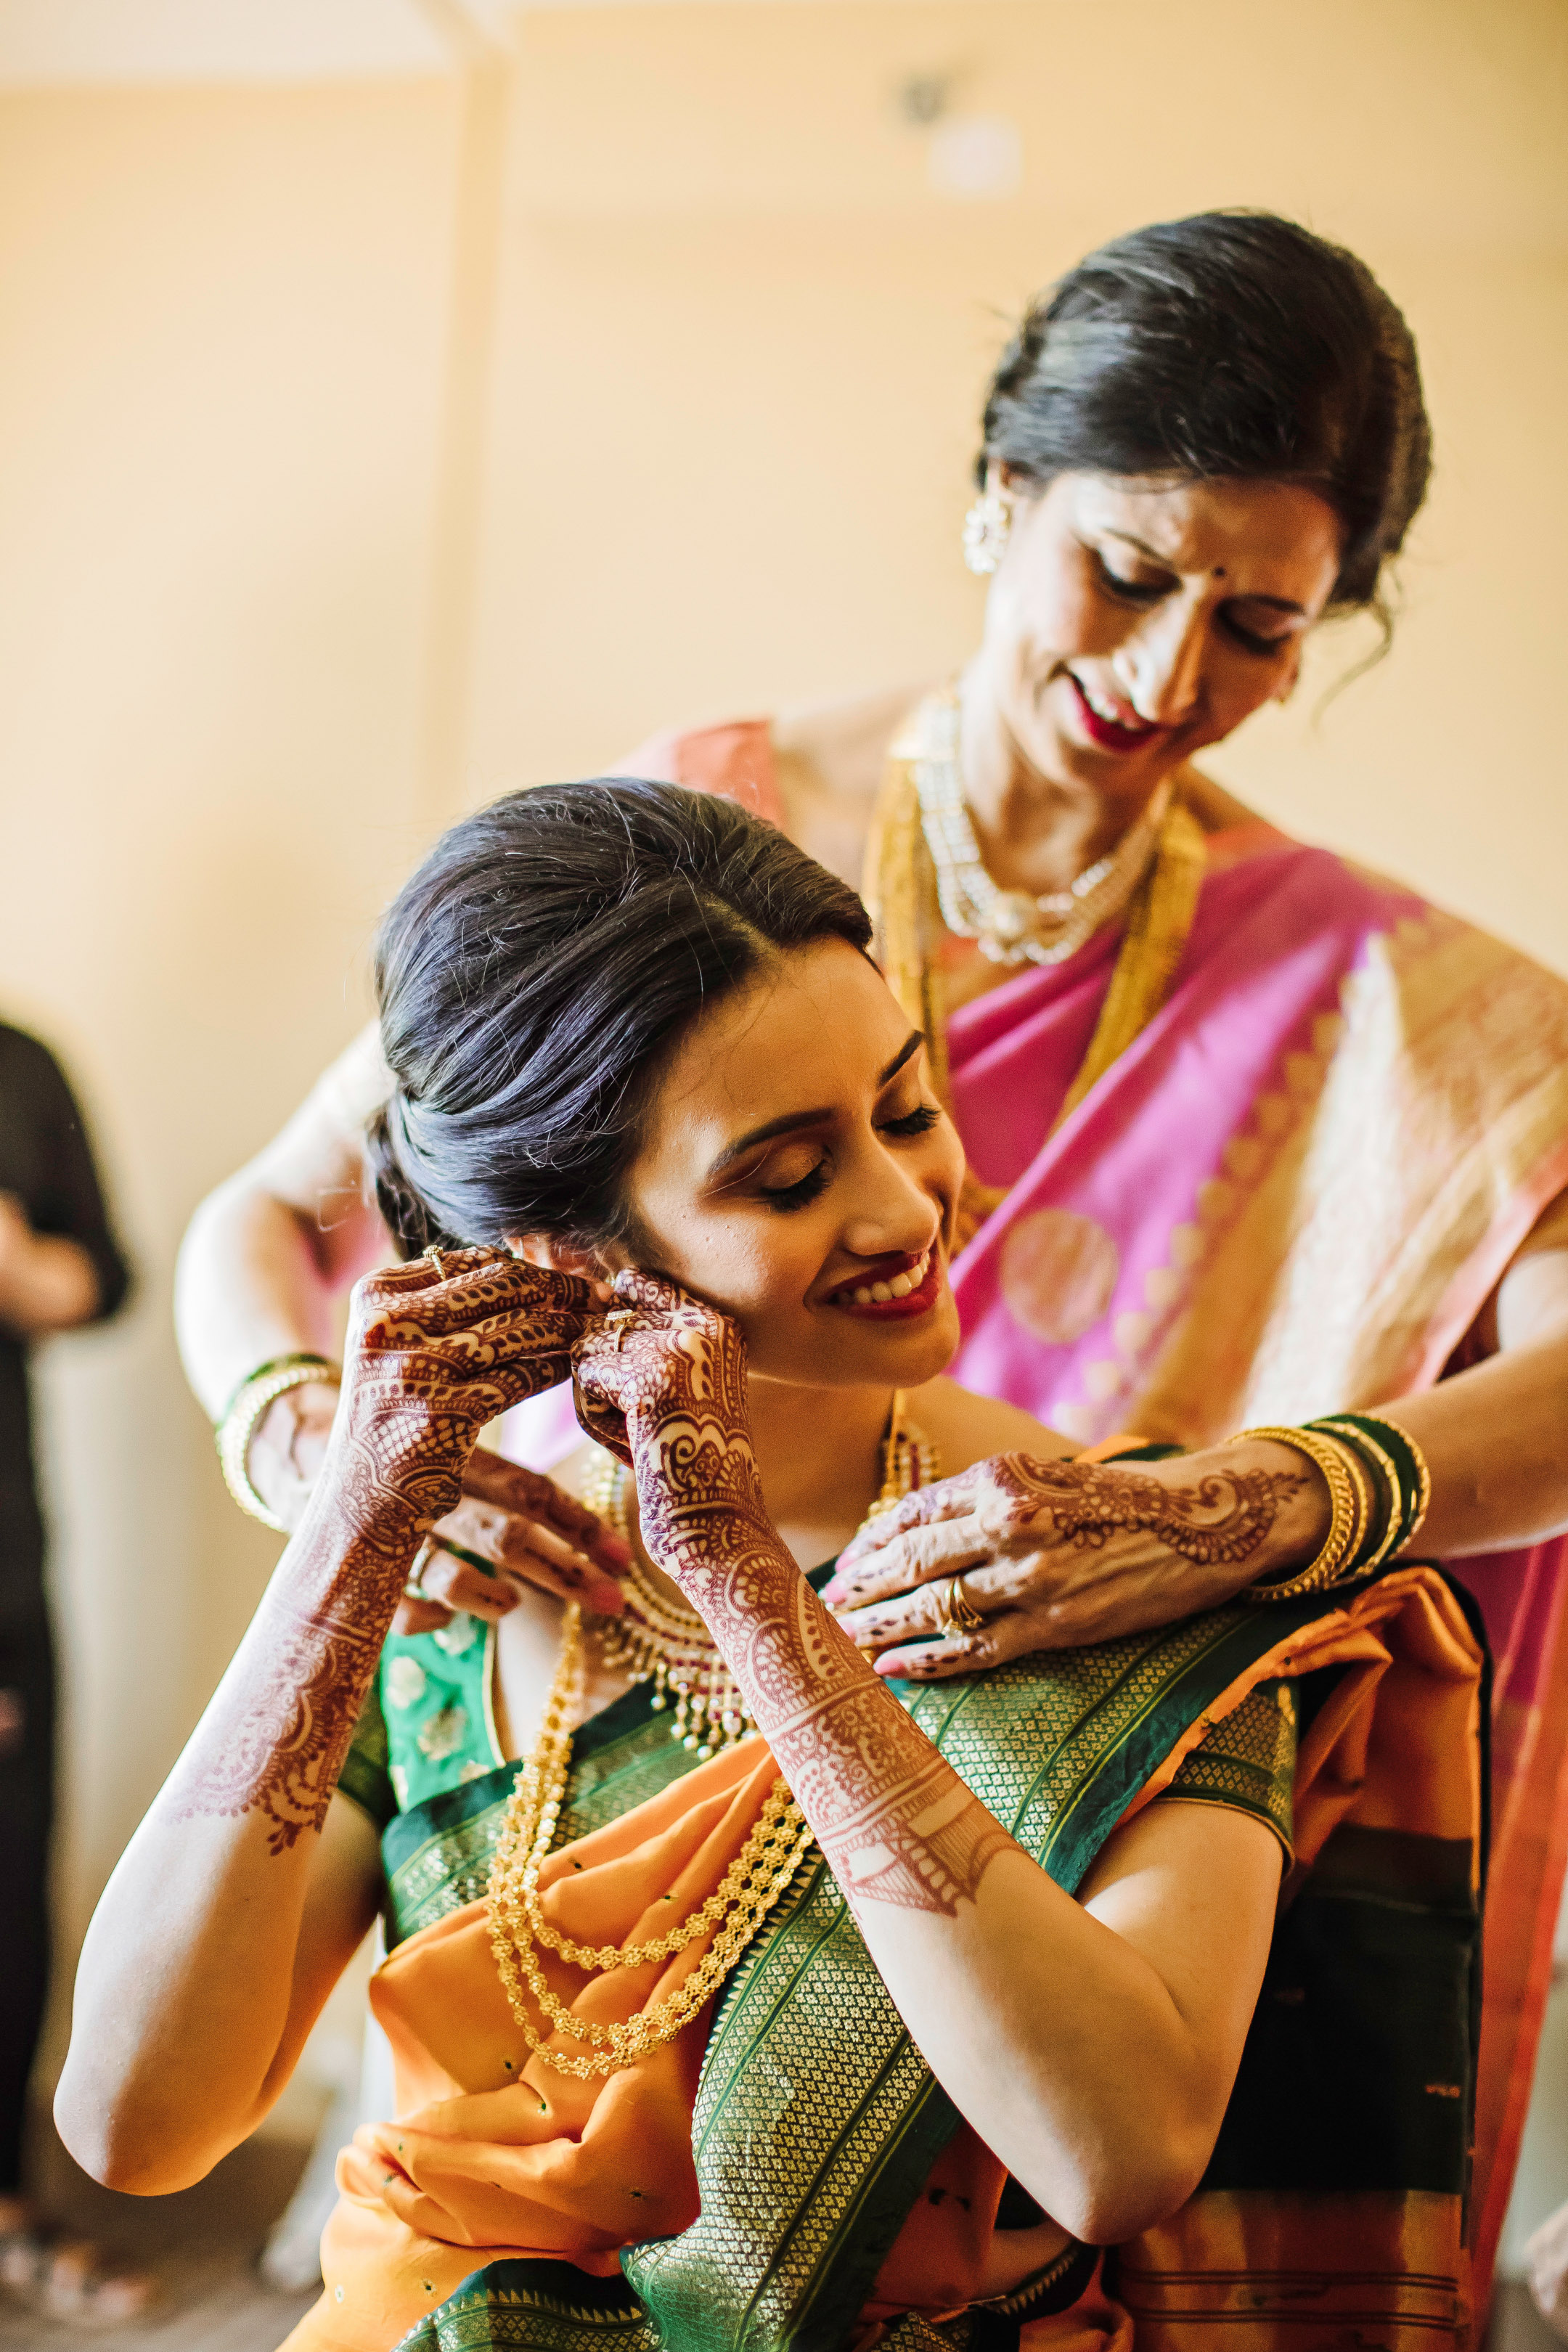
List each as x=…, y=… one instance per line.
x=1379, y=1488
x=242, y=1416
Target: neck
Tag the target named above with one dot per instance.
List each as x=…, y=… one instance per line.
x=1036, y=831
x=819, y=1452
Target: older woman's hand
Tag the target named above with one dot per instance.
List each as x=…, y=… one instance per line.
x=1053, y=1554
x=514, y=1528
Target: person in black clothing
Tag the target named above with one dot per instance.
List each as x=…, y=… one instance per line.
x=61, y=1266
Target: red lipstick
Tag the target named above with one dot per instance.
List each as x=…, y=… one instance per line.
x=1106, y=732
x=891, y=1309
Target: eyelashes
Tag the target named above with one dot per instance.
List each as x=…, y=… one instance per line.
x=800, y=1195
x=1145, y=593
x=811, y=1186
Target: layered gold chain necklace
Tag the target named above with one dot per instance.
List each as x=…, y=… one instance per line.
x=663, y=1643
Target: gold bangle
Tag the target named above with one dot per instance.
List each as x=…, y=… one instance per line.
x=238, y=1425
x=1350, y=1505
x=1358, y=1440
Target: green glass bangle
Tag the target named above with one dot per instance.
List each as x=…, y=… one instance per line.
x=1415, y=1478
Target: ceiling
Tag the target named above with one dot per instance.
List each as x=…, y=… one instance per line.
x=109, y=41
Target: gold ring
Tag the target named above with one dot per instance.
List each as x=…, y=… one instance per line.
x=413, y=1590
x=617, y=1322
x=959, y=1613
x=435, y=1258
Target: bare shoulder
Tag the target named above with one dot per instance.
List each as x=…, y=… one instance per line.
x=841, y=748
x=828, y=764
x=965, y=1428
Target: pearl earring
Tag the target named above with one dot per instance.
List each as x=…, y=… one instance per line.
x=986, y=529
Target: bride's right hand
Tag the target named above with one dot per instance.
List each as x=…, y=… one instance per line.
x=512, y=1529
x=435, y=1348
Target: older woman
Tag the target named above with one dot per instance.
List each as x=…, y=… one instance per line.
x=1251, y=1134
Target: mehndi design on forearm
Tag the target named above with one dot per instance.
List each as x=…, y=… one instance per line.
x=433, y=1360
x=896, y=1824
x=1219, y=1519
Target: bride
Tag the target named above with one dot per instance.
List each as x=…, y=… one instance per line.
x=769, y=2001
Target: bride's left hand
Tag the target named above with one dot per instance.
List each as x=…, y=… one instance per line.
x=661, y=1382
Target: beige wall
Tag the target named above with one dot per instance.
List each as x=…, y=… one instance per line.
x=222, y=318
x=714, y=460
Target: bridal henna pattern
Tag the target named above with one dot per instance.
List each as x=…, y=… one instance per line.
x=435, y=1351
x=666, y=1384
x=1220, y=1519
x=1018, y=1503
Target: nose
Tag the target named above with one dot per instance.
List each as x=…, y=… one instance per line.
x=1161, y=664
x=894, y=1212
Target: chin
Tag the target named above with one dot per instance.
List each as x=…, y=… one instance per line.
x=906, y=1357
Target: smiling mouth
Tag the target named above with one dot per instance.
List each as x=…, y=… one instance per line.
x=1104, y=723
x=911, y=1289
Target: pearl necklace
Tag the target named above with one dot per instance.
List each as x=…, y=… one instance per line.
x=1011, y=926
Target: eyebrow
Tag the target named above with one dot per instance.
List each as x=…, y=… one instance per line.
x=793, y=1120
x=1246, y=596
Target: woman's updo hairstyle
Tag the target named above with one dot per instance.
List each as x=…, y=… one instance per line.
x=536, y=975
x=1229, y=345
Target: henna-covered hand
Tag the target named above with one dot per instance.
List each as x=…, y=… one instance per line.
x=513, y=1529
x=663, y=1381
x=435, y=1348
x=1059, y=1553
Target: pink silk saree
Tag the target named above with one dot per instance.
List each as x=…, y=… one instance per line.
x=1294, y=1192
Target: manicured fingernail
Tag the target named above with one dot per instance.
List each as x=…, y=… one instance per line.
x=608, y=1599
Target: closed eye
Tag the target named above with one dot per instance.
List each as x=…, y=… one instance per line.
x=913, y=1122
x=800, y=1195
x=1130, y=592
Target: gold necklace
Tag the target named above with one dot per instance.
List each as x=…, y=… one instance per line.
x=1009, y=926
x=658, y=1640
x=754, y=1880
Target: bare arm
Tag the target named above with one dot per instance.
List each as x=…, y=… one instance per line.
x=1496, y=1437
x=48, y=1283
x=242, y=1894
x=270, y=1252
x=1092, y=2047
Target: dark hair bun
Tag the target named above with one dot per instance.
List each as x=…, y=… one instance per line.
x=535, y=975
x=1231, y=344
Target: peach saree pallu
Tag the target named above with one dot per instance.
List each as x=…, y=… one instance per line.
x=787, y=2172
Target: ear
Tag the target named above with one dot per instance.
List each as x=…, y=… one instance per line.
x=597, y=1266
